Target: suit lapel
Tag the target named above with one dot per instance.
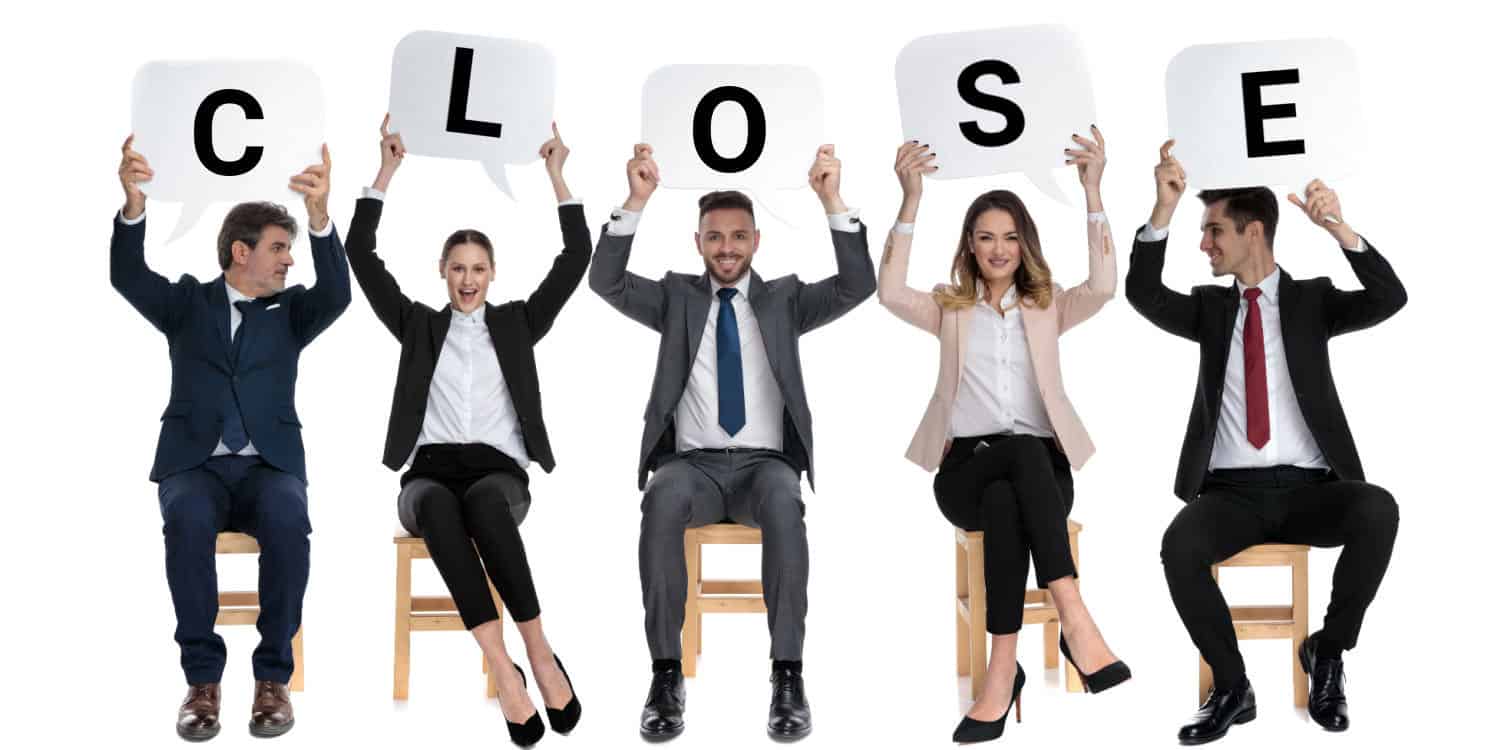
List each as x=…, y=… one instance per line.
x=697, y=316
x=759, y=303
x=438, y=330
x=218, y=301
x=1288, y=300
x=495, y=323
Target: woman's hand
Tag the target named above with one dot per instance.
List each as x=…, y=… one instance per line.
x=392, y=151
x=913, y=160
x=554, y=152
x=1090, y=161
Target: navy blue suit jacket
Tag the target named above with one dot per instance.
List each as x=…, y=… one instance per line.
x=194, y=316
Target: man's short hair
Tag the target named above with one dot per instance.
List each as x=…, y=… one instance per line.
x=725, y=199
x=1245, y=205
x=246, y=221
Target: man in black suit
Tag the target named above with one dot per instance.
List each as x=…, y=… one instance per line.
x=728, y=430
x=1268, y=456
x=230, y=451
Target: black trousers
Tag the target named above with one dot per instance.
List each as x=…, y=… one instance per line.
x=1018, y=490
x=466, y=502
x=1240, y=508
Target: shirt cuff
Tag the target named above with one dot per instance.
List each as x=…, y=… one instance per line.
x=570, y=202
x=327, y=230
x=847, y=221
x=622, y=221
x=904, y=227
x=1149, y=233
x=1359, y=247
x=131, y=222
x=1097, y=217
x=370, y=192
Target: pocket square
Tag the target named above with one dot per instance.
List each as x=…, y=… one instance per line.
x=272, y=307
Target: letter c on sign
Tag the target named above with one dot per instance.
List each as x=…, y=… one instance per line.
x=755, y=129
x=203, y=131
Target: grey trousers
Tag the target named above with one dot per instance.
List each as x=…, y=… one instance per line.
x=753, y=487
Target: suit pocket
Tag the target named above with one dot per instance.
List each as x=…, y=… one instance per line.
x=289, y=418
x=179, y=409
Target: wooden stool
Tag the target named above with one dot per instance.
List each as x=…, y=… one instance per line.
x=1285, y=621
x=714, y=595
x=424, y=613
x=974, y=640
x=243, y=607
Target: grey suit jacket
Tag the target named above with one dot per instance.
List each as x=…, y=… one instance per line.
x=677, y=307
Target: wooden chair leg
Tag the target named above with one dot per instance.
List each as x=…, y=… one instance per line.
x=1299, y=627
x=692, y=621
x=297, y=663
x=978, y=636
x=961, y=590
x=402, y=665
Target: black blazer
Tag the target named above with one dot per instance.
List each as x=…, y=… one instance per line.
x=1312, y=312
x=515, y=327
x=206, y=375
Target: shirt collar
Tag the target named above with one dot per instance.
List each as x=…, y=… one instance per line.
x=234, y=294
x=1270, y=286
x=742, y=285
x=477, y=316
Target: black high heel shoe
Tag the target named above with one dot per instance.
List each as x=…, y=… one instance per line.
x=531, y=732
x=974, y=730
x=1109, y=676
x=564, y=719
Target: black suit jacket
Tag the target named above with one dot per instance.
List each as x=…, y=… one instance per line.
x=514, y=327
x=1312, y=312
x=261, y=376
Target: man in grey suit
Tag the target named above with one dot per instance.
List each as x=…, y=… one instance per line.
x=728, y=430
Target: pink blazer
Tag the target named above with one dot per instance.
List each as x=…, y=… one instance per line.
x=1069, y=308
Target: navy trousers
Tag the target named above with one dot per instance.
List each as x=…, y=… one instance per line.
x=245, y=494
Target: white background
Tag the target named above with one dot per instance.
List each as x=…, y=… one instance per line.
x=88, y=622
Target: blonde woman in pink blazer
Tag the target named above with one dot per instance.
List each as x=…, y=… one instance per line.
x=1000, y=430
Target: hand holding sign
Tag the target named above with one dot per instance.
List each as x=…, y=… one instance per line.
x=824, y=176
x=1171, y=183
x=1322, y=208
x=643, y=175
x=133, y=171
x=312, y=183
x=554, y=153
x=392, y=151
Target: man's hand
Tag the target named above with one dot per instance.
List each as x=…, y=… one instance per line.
x=1171, y=183
x=824, y=179
x=1322, y=208
x=133, y=171
x=392, y=151
x=312, y=183
x=554, y=152
x=643, y=175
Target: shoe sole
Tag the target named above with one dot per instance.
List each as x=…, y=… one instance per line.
x=1245, y=717
x=256, y=731
x=661, y=736
x=788, y=736
x=197, y=737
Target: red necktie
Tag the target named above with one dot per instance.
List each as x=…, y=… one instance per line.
x=1257, y=411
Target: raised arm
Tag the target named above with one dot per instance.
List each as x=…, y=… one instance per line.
x=1382, y=295
x=854, y=282
x=329, y=296
x=382, y=291
x=913, y=160
x=641, y=299
x=544, y=304
x=1171, y=311
x=1082, y=302
x=157, y=299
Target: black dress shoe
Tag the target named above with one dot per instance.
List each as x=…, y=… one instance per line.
x=790, y=718
x=661, y=719
x=1325, y=701
x=1222, y=710
x=973, y=730
x=1105, y=678
x=564, y=719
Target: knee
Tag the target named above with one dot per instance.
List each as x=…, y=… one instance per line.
x=666, y=505
x=496, y=500
x=189, y=517
x=1377, y=512
x=281, y=511
x=781, y=511
x=436, y=506
x=1182, y=549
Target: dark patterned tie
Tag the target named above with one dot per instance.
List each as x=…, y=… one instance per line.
x=234, y=436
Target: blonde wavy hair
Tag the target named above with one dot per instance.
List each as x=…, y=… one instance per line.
x=1033, y=278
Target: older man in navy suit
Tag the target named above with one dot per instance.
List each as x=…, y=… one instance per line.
x=230, y=451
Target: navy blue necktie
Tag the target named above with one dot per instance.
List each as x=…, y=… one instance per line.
x=234, y=436
x=731, y=371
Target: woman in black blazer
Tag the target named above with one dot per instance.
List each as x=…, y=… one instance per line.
x=467, y=419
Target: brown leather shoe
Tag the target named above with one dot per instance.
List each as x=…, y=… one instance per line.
x=198, y=716
x=271, y=714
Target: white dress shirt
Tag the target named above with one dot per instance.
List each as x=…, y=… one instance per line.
x=468, y=401
x=998, y=391
x=697, y=414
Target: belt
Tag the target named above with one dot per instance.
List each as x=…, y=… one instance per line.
x=1271, y=474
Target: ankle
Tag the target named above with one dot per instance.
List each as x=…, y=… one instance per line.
x=666, y=665
x=780, y=664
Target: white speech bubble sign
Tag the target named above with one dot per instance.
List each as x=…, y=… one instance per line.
x=225, y=130
x=756, y=128
x=997, y=101
x=1265, y=113
x=478, y=98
